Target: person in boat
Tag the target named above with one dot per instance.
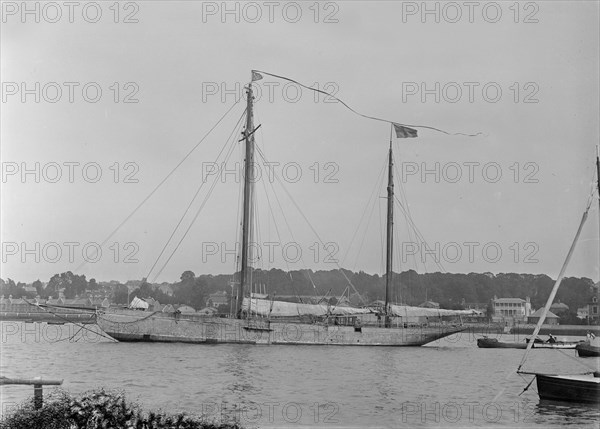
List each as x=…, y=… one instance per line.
x=590, y=335
x=551, y=339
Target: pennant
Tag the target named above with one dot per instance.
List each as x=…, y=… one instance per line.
x=404, y=132
x=256, y=76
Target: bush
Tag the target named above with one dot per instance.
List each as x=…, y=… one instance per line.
x=98, y=409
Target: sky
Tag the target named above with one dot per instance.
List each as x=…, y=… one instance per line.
x=100, y=103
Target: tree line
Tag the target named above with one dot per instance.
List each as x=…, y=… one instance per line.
x=450, y=290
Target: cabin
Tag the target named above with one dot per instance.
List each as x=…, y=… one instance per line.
x=551, y=318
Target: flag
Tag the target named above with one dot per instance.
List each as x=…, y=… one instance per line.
x=404, y=132
x=256, y=76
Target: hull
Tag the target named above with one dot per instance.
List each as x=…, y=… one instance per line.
x=167, y=327
x=587, y=350
x=492, y=343
x=559, y=345
x=582, y=389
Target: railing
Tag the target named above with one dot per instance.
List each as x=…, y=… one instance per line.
x=38, y=397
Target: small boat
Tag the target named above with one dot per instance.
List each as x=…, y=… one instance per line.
x=589, y=348
x=493, y=343
x=579, y=388
x=552, y=343
x=570, y=388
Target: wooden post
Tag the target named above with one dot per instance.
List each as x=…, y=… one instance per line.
x=38, y=397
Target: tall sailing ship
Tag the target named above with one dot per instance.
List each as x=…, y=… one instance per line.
x=263, y=321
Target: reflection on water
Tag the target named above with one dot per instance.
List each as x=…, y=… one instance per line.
x=450, y=383
x=566, y=414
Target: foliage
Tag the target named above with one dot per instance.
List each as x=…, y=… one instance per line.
x=72, y=283
x=120, y=294
x=450, y=290
x=570, y=318
x=97, y=410
x=9, y=287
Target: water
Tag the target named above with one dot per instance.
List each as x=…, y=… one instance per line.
x=449, y=383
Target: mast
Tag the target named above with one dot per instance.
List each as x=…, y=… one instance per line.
x=245, y=277
x=390, y=236
x=598, y=185
x=555, y=288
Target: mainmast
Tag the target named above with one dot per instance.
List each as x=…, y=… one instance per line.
x=390, y=236
x=598, y=185
x=245, y=274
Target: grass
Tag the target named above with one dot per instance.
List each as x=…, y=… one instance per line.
x=99, y=409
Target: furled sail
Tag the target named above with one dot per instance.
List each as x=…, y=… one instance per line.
x=264, y=307
x=409, y=311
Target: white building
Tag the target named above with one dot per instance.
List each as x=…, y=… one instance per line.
x=511, y=309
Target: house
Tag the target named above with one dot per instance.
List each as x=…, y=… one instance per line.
x=551, y=318
x=208, y=311
x=30, y=290
x=17, y=305
x=56, y=301
x=100, y=303
x=78, y=303
x=559, y=308
x=166, y=288
x=168, y=309
x=583, y=312
x=153, y=304
x=186, y=309
x=216, y=299
x=594, y=306
x=511, y=309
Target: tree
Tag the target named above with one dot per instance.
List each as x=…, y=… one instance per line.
x=73, y=284
x=570, y=318
x=39, y=286
x=191, y=293
x=120, y=294
x=10, y=288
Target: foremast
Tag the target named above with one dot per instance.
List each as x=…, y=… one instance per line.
x=390, y=237
x=245, y=271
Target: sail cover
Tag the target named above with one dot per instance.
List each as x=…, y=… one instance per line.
x=138, y=303
x=409, y=311
x=264, y=307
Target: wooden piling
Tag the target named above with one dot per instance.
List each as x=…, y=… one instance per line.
x=38, y=383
